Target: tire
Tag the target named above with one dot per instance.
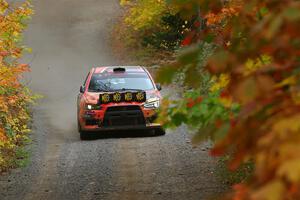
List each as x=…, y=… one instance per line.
x=78, y=127
x=83, y=135
x=160, y=131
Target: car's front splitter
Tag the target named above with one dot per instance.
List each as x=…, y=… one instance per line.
x=131, y=127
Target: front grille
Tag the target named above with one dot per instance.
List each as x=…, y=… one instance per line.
x=91, y=122
x=123, y=116
x=123, y=108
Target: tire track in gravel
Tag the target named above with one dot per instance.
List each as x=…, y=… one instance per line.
x=165, y=168
x=128, y=170
x=42, y=189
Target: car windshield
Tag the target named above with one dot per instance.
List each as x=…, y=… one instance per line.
x=120, y=81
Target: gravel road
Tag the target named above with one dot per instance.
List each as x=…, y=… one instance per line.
x=68, y=37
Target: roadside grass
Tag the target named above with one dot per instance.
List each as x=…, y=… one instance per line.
x=22, y=157
x=228, y=177
x=14, y=155
x=23, y=154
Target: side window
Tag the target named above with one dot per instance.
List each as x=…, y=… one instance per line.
x=84, y=84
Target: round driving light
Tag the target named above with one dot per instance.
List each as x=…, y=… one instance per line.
x=140, y=96
x=105, y=98
x=117, y=97
x=128, y=96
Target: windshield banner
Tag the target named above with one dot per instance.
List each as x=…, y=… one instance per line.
x=118, y=97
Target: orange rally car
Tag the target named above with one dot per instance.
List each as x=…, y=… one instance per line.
x=118, y=98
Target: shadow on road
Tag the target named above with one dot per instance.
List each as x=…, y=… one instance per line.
x=121, y=134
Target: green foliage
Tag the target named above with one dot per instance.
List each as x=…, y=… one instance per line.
x=21, y=157
x=263, y=79
x=200, y=113
x=14, y=96
x=200, y=105
x=145, y=14
x=169, y=34
x=151, y=31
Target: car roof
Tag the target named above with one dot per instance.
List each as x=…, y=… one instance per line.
x=110, y=69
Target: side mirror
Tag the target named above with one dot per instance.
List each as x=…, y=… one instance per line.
x=158, y=86
x=81, y=89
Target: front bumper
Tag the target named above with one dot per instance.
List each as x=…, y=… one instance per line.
x=118, y=117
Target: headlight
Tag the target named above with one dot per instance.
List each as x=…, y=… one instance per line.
x=93, y=107
x=152, y=103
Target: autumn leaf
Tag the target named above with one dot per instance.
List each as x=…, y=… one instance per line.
x=14, y=96
x=272, y=191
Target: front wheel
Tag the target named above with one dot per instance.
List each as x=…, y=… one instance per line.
x=83, y=135
x=160, y=131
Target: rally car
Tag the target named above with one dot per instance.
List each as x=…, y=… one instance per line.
x=118, y=98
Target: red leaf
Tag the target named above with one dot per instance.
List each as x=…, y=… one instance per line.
x=237, y=160
x=218, y=123
x=191, y=103
x=4, y=53
x=197, y=24
x=277, y=76
x=217, y=151
x=187, y=41
x=293, y=189
x=199, y=99
x=240, y=191
x=23, y=65
x=224, y=94
x=233, y=123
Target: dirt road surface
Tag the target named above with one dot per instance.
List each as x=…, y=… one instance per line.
x=68, y=37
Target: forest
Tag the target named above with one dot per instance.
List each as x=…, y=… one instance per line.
x=237, y=65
